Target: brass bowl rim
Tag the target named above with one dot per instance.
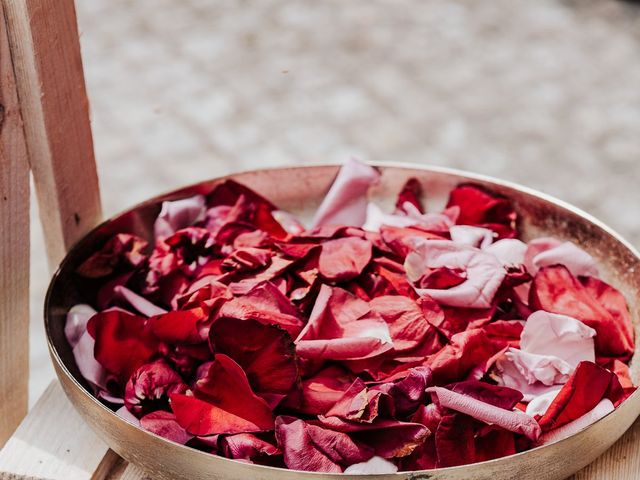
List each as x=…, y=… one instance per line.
x=176, y=194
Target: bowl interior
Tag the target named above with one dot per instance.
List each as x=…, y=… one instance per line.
x=300, y=191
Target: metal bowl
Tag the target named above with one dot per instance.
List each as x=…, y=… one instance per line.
x=300, y=191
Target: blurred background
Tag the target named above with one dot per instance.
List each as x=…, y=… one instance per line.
x=545, y=93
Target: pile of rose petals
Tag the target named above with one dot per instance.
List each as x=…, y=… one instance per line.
x=372, y=342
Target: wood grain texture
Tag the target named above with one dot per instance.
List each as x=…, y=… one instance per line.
x=46, y=56
x=14, y=250
x=620, y=462
x=53, y=442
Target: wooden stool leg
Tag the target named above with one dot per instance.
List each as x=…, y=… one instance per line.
x=45, y=48
x=14, y=251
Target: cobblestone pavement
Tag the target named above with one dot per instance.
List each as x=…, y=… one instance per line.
x=546, y=93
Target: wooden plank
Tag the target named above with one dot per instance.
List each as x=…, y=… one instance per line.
x=45, y=48
x=14, y=251
x=620, y=462
x=54, y=442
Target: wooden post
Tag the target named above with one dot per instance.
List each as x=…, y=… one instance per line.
x=14, y=250
x=45, y=48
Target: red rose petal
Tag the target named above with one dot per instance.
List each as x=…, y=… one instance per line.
x=454, y=441
x=402, y=240
x=409, y=323
x=343, y=259
x=321, y=391
x=410, y=193
x=316, y=449
x=588, y=384
x=342, y=327
x=246, y=446
x=494, y=442
x=150, y=386
x=267, y=305
x=124, y=342
x=223, y=402
x=389, y=438
x=265, y=352
x=591, y=301
x=466, y=350
x=358, y=403
x=164, y=424
x=180, y=326
x=122, y=252
x=485, y=209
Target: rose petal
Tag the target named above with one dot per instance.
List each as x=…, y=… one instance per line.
x=246, y=446
x=321, y=391
x=591, y=301
x=376, y=218
x=509, y=251
x=178, y=214
x=342, y=327
x=265, y=352
x=150, y=386
x=223, y=402
x=454, y=441
x=603, y=408
x=403, y=240
x=128, y=335
x=494, y=442
x=164, y=424
x=406, y=390
x=344, y=259
x=512, y=420
x=138, y=302
x=483, y=271
x=466, y=350
x=76, y=322
x=472, y=236
x=389, y=438
x=122, y=252
x=482, y=208
x=358, y=403
x=265, y=304
x=346, y=200
x=587, y=386
x=495, y=395
x=374, y=466
x=544, y=252
x=409, y=324
x=316, y=449
x=410, y=194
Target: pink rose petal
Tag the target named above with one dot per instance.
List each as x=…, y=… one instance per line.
x=374, y=466
x=179, y=214
x=76, y=324
x=473, y=236
x=512, y=420
x=546, y=251
x=483, y=271
x=346, y=201
x=138, y=302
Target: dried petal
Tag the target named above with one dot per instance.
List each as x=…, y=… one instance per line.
x=484, y=273
x=223, y=402
x=512, y=420
x=316, y=449
x=346, y=200
x=342, y=327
